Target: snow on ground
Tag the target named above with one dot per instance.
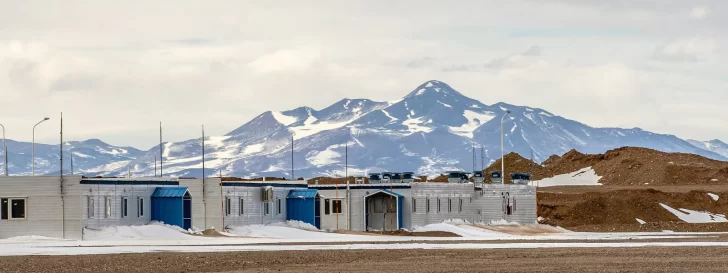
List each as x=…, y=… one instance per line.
x=151, y=231
x=159, y=237
x=692, y=216
x=584, y=177
x=714, y=196
x=461, y=230
x=642, y=222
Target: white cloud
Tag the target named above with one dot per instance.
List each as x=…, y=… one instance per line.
x=285, y=60
x=686, y=50
x=699, y=12
x=224, y=62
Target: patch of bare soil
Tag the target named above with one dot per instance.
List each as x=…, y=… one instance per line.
x=626, y=166
x=416, y=234
x=212, y=233
x=639, y=259
x=621, y=207
x=526, y=230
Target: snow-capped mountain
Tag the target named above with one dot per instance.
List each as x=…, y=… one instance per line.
x=715, y=146
x=91, y=157
x=430, y=130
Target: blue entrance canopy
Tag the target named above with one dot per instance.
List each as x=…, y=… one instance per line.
x=169, y=192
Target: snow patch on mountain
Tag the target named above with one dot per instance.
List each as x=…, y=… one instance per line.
x=475, y=119
x=253, y=149
x=324, y=157
x=283, y=119
x=414, y=125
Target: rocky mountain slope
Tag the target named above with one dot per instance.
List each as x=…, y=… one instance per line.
x=430, y=130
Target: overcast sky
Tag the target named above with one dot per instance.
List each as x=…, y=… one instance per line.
x=116, y=69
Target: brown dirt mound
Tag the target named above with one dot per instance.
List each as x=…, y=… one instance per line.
x=212, y=233
x=516, y=163
x=333, y=180
x=625, y=166
x=417, y=234
x=621, y=207
x=655, y=227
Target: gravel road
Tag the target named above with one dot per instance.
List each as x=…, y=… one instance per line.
x=646, y=259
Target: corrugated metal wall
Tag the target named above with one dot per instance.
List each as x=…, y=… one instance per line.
x=44, y=208
x=300, y=209
x=168, y=210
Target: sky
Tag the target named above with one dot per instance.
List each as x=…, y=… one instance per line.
x=118, y=68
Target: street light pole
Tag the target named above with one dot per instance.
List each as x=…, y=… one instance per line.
x=5, y=151
x=503, y=159
x=293, y=177
x=32, y=158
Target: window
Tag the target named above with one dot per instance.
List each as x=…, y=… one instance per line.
x=427, y=205
x=414, y=204
x=242, y=206
x=439, y=209
x=460, y=206
x=91, y=207
x=227, y=206
x=4, y=209
x=266, y=208
x=107, y=207
x=17, y=209
x=327, y=206
x=140, y=207
x=337, y=206
x=449, y=205
x=124, y=207
x=278, y=200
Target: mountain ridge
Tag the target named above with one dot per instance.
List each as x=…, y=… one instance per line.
x=430, y=130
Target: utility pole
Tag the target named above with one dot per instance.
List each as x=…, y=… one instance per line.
x=161, y=152
x=203, y=153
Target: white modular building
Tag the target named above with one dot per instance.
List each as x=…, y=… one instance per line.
x=66, y=207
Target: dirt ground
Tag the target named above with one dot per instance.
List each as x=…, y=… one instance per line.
x=645, y=259
x=617, y=210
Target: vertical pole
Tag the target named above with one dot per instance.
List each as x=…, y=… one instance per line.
x=71, y=163
x=482, y=159
x=222, y=203
x=161, y=152
x=203, y=153
x=293, y=177
x=32, y=155
x=61, y=146
x=475, y=160
x=503, y=159
x=63, y=204
x=5, y=151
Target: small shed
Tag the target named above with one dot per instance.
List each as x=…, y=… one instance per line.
x=173, y=206
x=304, y=205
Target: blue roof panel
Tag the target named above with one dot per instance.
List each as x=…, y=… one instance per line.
x=306, y=194
x=169, y=192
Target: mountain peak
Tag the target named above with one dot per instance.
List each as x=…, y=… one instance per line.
x=433, y=87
